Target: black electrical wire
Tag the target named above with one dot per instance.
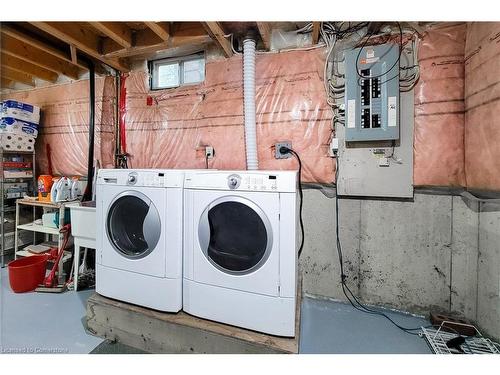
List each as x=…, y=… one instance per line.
x=356, y=304
x=393, y=65
x=285, y=150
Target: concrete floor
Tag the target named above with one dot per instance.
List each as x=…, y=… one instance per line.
x=334, y=327
x=41, y=322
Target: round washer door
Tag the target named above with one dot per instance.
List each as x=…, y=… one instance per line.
x=235, y=235
x=133, y=225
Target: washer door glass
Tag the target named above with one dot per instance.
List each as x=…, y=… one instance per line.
x=239, y=238
x=133, y=225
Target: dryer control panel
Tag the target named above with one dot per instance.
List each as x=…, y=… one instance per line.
x=259, y=182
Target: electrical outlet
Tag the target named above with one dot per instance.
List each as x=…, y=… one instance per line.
x=209, y=152
x=334, y=147
x=278, y=154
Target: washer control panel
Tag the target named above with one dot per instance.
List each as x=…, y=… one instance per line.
x=153, y=179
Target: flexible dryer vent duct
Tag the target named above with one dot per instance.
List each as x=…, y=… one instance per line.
x=249, y=103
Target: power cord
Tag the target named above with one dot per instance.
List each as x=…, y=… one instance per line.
x=287, y=150
x=345, y=288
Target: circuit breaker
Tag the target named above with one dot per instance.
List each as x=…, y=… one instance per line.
x=372, y=93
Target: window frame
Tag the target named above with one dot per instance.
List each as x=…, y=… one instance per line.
x=153, y=70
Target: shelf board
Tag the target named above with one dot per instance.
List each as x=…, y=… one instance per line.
x=14, y=152
x=24, y=253
x=16, y=178
x=29, y=202
x=38, y=228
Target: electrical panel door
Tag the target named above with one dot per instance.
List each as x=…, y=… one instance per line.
x=372, y=93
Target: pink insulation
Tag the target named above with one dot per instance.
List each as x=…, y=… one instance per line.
x=64, y=124
x=456, y=140
x=482, y=105
x=290, y=102
x=439, y=108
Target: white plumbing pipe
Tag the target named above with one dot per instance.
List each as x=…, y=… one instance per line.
x=249, y=103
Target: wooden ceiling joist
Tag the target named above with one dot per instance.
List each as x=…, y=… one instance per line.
x=315, y=32
x=118, y=31
x=215, y=30
x=7, y=30
x=265, y=33
x=161, y=29
x=6, y=83
x=17, y=76
x=22, y=66
x=148, y=42
x=26, y=52
x=83, y=39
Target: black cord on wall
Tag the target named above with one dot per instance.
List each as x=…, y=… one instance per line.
x=353, y=300
x=285, y=150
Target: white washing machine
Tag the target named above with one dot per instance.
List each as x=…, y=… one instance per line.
x=139, y=237
x=240, y=248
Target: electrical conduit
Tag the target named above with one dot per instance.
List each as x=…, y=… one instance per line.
x=249, y=103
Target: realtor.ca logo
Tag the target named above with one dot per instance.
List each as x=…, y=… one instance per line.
x=33, y=350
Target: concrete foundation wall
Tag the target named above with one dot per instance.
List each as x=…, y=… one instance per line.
x=435, y=252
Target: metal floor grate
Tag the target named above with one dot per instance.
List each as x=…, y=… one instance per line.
x=437, y=339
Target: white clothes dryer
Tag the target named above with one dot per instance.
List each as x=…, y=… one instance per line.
x=240, y=248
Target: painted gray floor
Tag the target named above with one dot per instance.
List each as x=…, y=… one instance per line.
x=42, y=321
x=334, y=327
x=53, y=322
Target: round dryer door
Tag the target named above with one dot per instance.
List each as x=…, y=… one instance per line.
x=235, y=235
x=133, y=224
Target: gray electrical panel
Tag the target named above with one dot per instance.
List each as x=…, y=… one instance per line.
x=372, y=93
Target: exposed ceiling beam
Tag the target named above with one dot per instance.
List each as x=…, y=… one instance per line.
x=14, y=47
x=17, y=76
x=7, y=30
x=147, y=42
x=215, y=30
x=162, y=29
x=7, y=83
x=265, y=33
x=26, y=67
x=83, y=39
x=315, y=32
x=118, y=31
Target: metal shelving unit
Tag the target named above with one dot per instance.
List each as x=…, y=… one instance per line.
x=7, y=203
x=36, y=227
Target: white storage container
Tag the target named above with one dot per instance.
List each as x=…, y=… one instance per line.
x=83, y=222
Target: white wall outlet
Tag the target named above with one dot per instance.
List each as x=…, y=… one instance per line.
x=209, y=152
x=383, y=162
x=334, y=147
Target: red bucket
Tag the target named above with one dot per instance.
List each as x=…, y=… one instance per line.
x=25, y=274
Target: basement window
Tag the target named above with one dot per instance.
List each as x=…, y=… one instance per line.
x=170, y=73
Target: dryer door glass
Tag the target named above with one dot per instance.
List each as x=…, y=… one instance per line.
x=239, y=240
x=133, y=225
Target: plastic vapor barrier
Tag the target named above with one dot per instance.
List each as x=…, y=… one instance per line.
x=290, y=106
x=456, y=133
x=439, y=108
x=482, y=105
x=64, y=124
